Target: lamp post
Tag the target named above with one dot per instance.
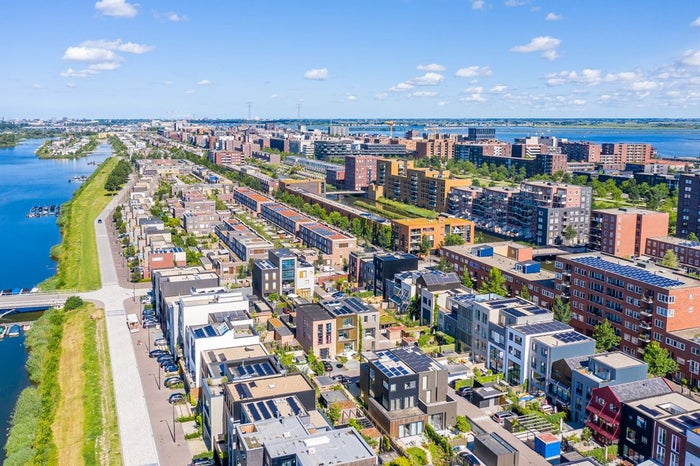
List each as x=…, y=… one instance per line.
x=174, y=434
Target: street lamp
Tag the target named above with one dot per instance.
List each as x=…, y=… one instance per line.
x=174, y=434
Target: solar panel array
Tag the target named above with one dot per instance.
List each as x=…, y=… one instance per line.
x=257, y=369
x=268, y=409
x=629, y=271
x=570, y=337
x=243, y=391
x=690, y=244
x=686, y=421
x=394, y=370
x=542, y=327
x=416, y=360
x=440, y=278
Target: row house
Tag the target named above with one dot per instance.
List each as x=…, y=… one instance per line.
x=251, y=199
x=687, y=252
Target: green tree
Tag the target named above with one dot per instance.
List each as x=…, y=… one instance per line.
x=334, y=413
x=74, y=302
x=425, y=245
x=561, y=310
x=659, y=360
x=384, y=237
x=570, y=233
x=401, y=461
x=462, y=424
x=605, y=337
x=453, y=240
x=496, y=283
x=670, y=259
x=444, y=265
x=466, y=279
x=692, y=236
x=525, y=293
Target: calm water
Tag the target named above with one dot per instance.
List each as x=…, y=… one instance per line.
x=668, y=142
x=26, y=181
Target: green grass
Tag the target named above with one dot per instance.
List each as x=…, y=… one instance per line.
x=92, y=425
x=417, y=455
x=407, y=208
x=379, y=210
x=78, y=264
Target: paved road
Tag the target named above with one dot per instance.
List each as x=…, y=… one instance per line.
x=478, y=418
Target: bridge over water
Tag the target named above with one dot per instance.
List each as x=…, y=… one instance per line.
x=33, y=300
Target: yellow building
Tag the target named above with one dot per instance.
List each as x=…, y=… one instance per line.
x=421, y=187
x=408, y=233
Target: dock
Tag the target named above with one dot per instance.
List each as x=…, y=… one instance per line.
x=44, y=211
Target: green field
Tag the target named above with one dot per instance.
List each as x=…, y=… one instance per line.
x=78, y=264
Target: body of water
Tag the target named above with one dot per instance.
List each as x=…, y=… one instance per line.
x=669, y=143
x=26, y=181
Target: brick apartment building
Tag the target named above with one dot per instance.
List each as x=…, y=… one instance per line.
x=687, y=252
x=642, y=301
x=623, y=232
x=688, y=220
x=408, y=233
x=360, y=171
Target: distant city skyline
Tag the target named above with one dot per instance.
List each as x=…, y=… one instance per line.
x=359, y=59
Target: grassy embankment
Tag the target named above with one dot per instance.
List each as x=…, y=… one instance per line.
x=68, y=415
x=78, y=264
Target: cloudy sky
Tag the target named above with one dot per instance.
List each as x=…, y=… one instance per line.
x=350, y=59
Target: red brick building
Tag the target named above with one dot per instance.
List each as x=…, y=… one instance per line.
x=623, y=232
x=687, y=252
x=360, y=171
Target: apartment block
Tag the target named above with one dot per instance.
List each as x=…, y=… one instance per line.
x=580, y=151
x=324, y=150
x=476, y=151
x=335, y=245
x=432, y=289
x=283, y=273
x=435, y=147
x=422, y=187
x=386, y=266
x=479, y=134
x=515, y=263
x=405, y=390
x=658, y=429
x=687, y=252
x=356, y=322
x=360, y=171
x=688, y=220
x=251, y=199
x=628, y=152
x=643, y=302
x=460, y=201
x=408, y=233
x=244, y=242
x=623, y=232
x=284, y=217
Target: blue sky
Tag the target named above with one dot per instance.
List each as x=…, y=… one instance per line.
x=350, y=59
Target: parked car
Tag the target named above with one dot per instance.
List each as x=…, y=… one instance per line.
x=99, y=220
x=150, y=324
x=165, y=357
x=156, y=352
x=170, y=381
x=202, y=462
x=465, y=391
x=327, y=366
x=160, y=342
x=467, y=458
x=501, y=416
x=176, y=397
x=171, y=368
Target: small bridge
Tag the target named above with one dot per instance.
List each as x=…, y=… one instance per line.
x=21, y=302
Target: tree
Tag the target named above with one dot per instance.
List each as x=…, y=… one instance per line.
x=462, y=424
x=74, y=302
x=453, y=240
x=496, y=283
x=334, y=413
x=466, y=279
x=670, y=259
x=444, y=265
x=425, y=245
x=401, y=461
x=525, y=293
x=692, y=236
x=561, y=310
x=384, y=237
x=570, y=233
x=660, y=362
x=605, y=337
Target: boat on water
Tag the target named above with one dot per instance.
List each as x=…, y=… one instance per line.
x=3, y=330
x=14, y=331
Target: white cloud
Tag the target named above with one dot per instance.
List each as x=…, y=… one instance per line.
x=204, y=82
x=473, y=71
x=578, y=102
x=400, y=87
x=473, y=98
x=118, y=8
x=71, y=85
x=474, y=90
x=273, y=96
x=478, y=4
x=71, y=73
x=431, y=67
x=352, y=98
x=36, y=86
x=168, y=83
x=513, y=3
x=89, y=54
x=645, y=85
x=553, y=17
x=696, y=22
x=174, y=17
x=428, y=79
x=589, y=77
x=190, y=91
x=498, y=89
x=691, y=57
x=442, y=103
x=547, y=45
x=106, y=66
x=423, y=94
x=316, y=74
x=381, y=96
x=118, y=46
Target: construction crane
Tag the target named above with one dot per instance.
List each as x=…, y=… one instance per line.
x=434, y=130
x=391, y=128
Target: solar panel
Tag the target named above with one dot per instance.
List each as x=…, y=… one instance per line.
x=209, y=330
x=198, y=333
x=243, y=391
x=293, y=404
x=273, y=408
x=253, y=412
x=263, y=410
x=629, y=271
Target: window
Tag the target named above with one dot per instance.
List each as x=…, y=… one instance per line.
x=641, y=422
x=661, y=436
x=660, y=454
x=675, y=443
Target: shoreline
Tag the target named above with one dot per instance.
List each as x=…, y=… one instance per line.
x=88, y=148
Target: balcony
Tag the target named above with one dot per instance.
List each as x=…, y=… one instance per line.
x=645, y=312
x=645, y=337
x=648, y=299
x=644, y=325
x=612, y=437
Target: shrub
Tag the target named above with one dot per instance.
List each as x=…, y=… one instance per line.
x=72, y=303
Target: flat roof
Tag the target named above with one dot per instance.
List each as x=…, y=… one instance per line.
x=269, y=387
x=334, y=446
x=254, y=195
x=617, y=359
x=627, y=210
x=676, y=241
x=426, y=222
x=565, y=338
x=506, y=264
x=275, y=408
x=325, y=231
x=648, y=274
x=314, y=312
x=496, y=444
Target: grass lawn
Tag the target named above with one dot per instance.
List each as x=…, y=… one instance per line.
x=78, y=265
x=85, y=426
